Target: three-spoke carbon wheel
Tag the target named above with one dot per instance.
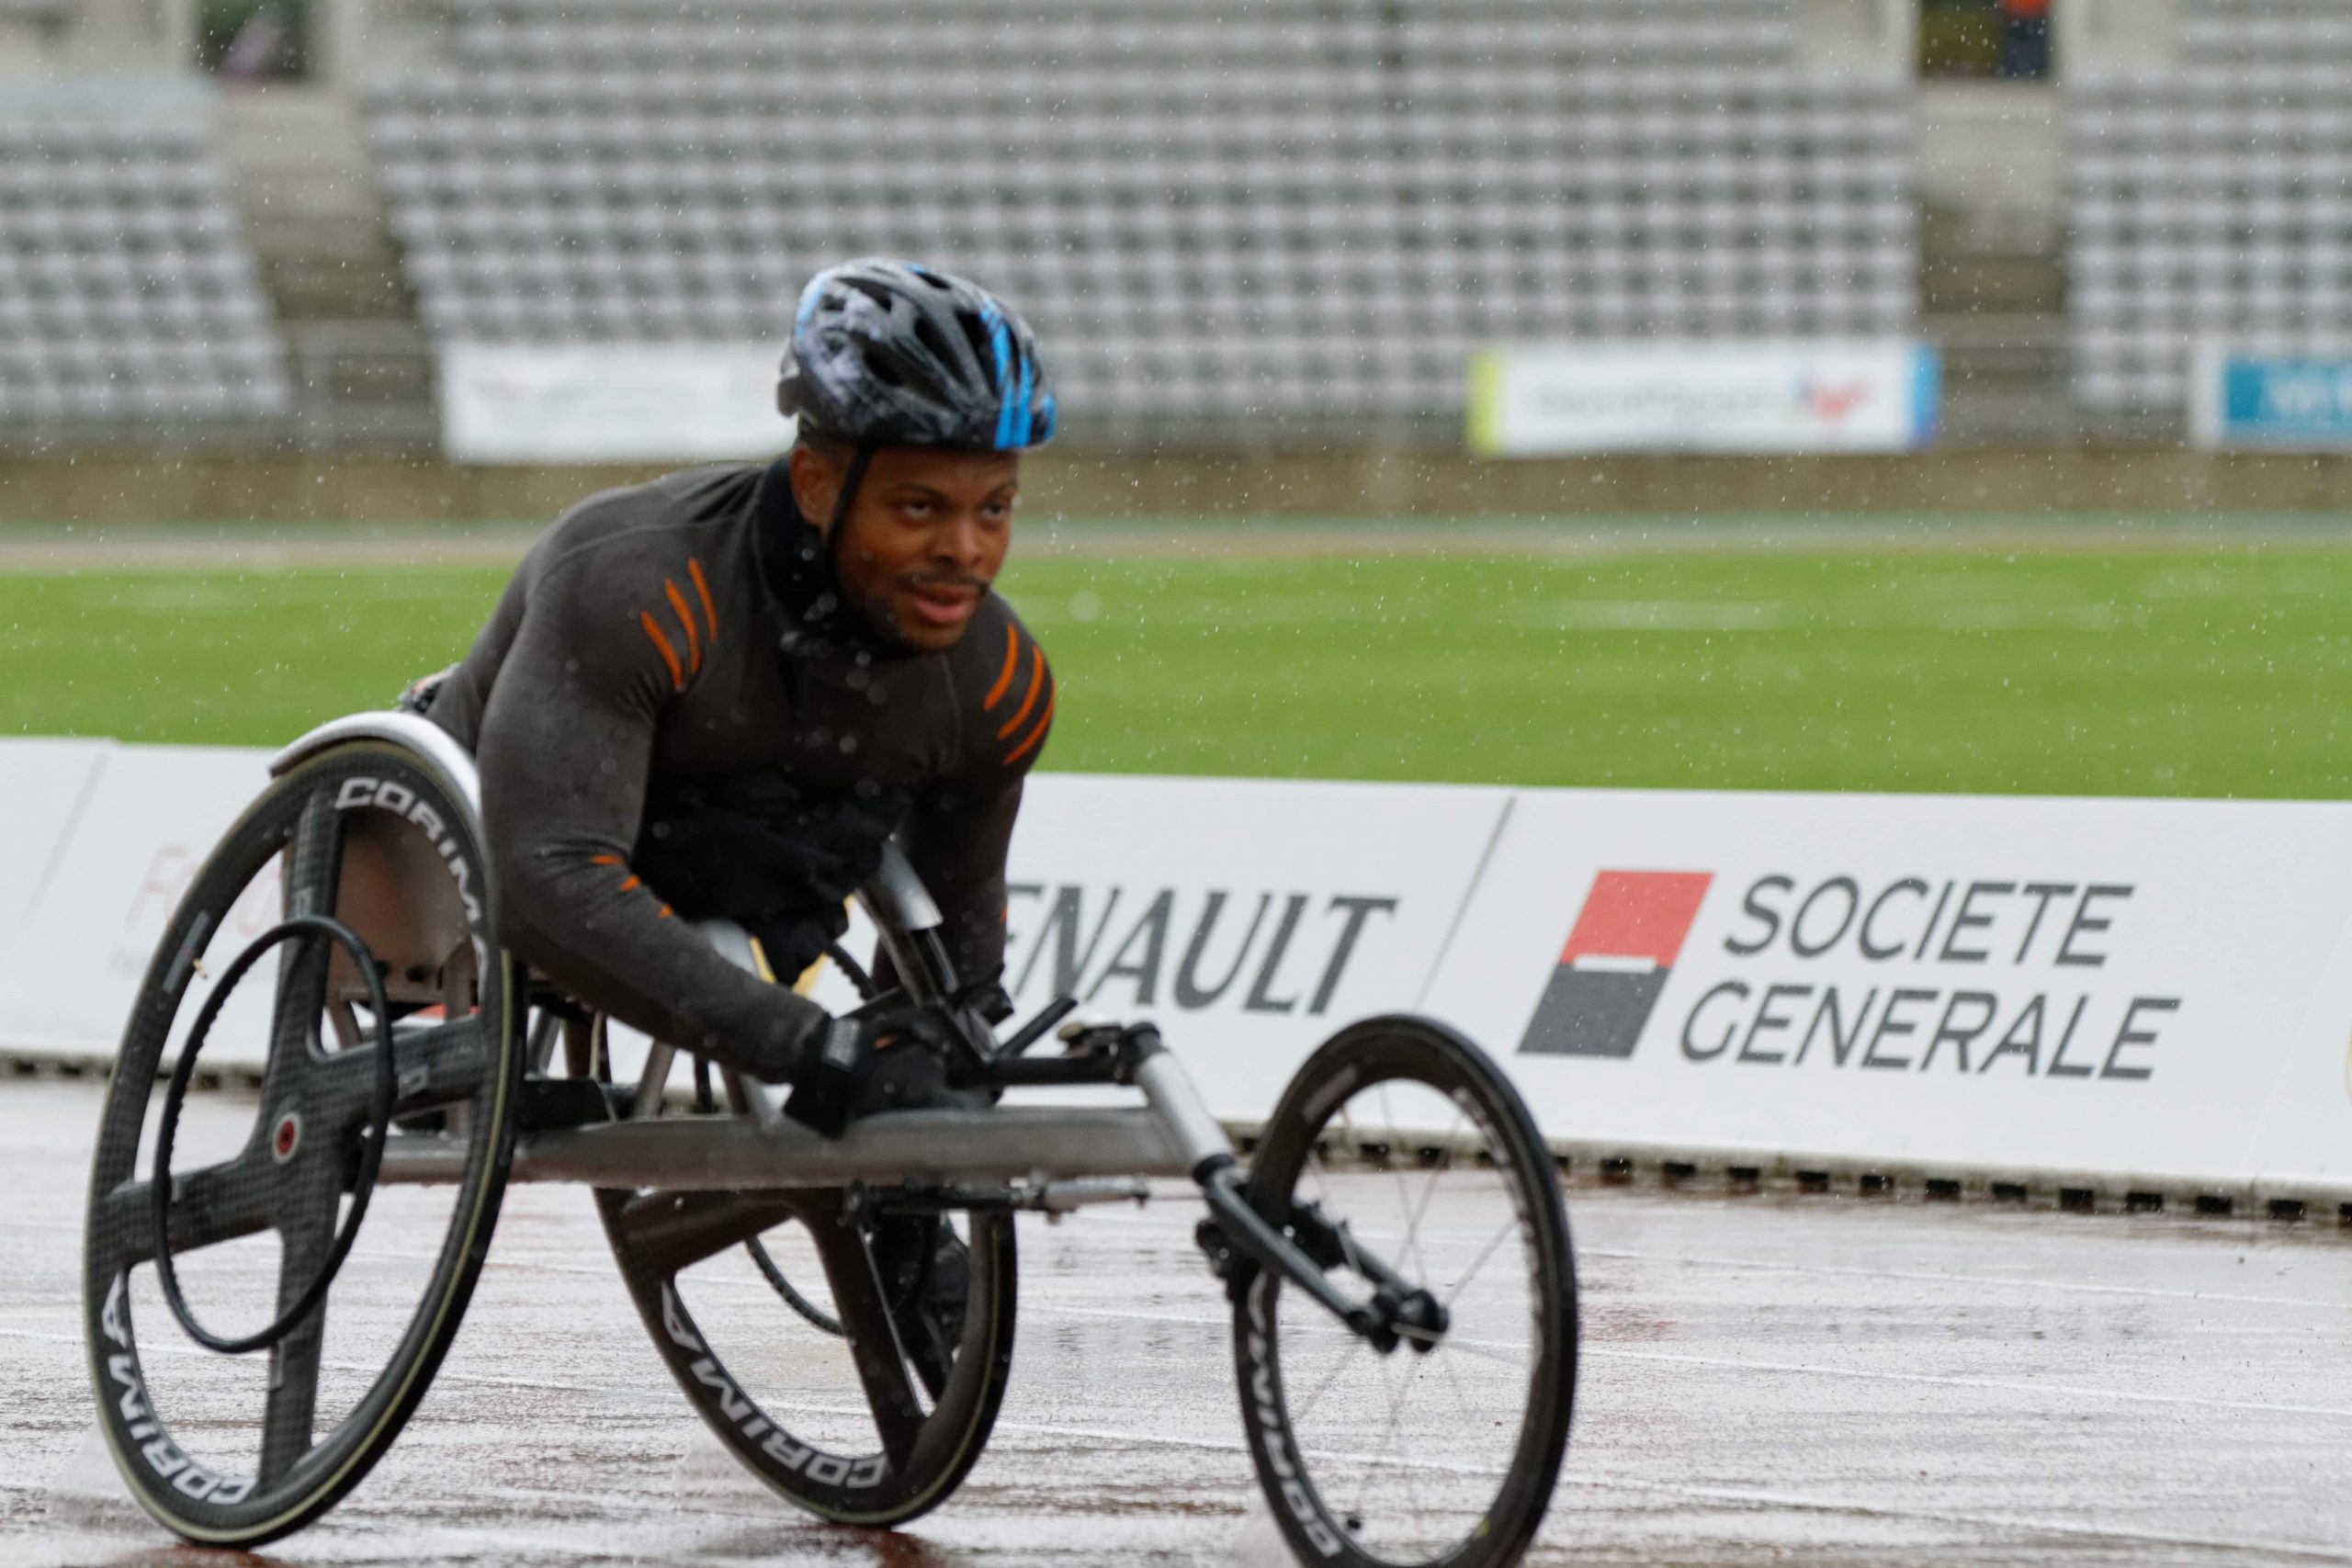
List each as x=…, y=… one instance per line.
x=823, y=1399
x=362, y=849
x=1401, y=1140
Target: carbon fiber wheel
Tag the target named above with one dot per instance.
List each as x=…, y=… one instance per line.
x=235, y=1450
x=840, y=1419
x=1401, y=1140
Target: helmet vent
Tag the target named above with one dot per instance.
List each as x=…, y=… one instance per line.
x=928, y=334
x=871, y=289
x=977, y=335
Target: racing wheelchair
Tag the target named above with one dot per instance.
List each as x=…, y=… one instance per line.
x=1395, y=1254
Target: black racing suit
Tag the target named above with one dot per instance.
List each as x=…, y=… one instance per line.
x=674, y=712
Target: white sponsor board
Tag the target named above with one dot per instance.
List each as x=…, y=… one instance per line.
x=1249, y=918
x=608, y=403
x=1951, y=984
x=2303, y=1138
x=1641, y=396
x=152, y=816
x=2116, y=991
x=42, y=786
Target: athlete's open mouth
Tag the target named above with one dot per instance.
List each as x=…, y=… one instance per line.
x=940, y=603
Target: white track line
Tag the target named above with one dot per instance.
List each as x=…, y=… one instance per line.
x=1923, y=1275
x=1801, y=1369
x=2310, y=1550
x=2002, y=1385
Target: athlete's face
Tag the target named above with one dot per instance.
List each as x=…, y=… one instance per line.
x=925, y=535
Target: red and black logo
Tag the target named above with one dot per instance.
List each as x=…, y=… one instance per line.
x=1626, y=938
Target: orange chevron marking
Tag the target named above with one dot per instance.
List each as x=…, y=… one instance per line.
x=669, y=654
x=702, y=587
x=1029, y=742
x=1029, y=698
x=685, y=619
x=1004, y=680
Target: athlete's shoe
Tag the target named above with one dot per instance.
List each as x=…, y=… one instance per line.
x=926, y=1273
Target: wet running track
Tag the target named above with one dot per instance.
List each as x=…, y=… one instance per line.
x=1801, y=1379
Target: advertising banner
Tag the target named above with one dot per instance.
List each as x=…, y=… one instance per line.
x=1645, y=396
x=2281, y=402
x=1250, y=919
x=1957, y=984
x=153, y=814
x=2302, y=1138
x=2125, y=992
x=608, y=403
x=43, y=784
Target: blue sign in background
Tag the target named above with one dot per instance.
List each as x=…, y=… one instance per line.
x=2302, y=402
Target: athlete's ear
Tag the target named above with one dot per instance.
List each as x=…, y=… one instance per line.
x=816, y=483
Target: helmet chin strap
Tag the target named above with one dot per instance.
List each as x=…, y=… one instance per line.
x=852, y=476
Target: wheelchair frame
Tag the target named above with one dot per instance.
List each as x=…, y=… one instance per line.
x=1047, y=1159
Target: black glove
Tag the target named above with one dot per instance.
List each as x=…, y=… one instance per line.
x=854, y=1066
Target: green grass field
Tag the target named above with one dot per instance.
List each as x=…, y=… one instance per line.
x=2154, y=671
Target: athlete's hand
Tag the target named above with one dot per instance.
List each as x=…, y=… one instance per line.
x=854, y=1066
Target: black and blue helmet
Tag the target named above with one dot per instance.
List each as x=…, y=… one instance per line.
x=895, y=354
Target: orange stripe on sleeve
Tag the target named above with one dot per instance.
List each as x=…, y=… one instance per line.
x=1029, y=742
x=606, y=860
x=633, y=884
x=669, y=654
x=702, y=587
x=1029, y=699
x=664, y=914
x=685, y=619
x=1004, y=680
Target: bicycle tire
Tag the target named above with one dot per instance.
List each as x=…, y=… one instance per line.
x=186, y=1496
x=1365, y=1057
x=863, y=1489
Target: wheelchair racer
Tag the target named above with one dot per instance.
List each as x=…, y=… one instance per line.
x=719, y=693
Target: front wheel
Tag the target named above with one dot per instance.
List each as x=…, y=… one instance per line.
x=1400, y=1141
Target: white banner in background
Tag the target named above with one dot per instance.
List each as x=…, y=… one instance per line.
x=1639, y=396
x=2117, y=988
x=1249, y=918
x=152, y=817
x=608, y=403
x=42, y=783
x=2103, y=984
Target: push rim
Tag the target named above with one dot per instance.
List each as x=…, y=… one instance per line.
x=371, y=1146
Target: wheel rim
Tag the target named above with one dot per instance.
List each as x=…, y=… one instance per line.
x=768, y=1309
x=838, y=1427
x=238, y=1449
x=1404, y=1454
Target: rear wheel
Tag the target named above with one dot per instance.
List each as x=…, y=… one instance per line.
x=812, y=1385
x=1401, y=1140
x=264, y=1203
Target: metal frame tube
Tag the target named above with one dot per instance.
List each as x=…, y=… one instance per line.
x=1171, y=1094
x=689, y=1153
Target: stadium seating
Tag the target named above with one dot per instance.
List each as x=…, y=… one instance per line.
x=1295, y=215
x=2214, y=199
x=126, y=292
